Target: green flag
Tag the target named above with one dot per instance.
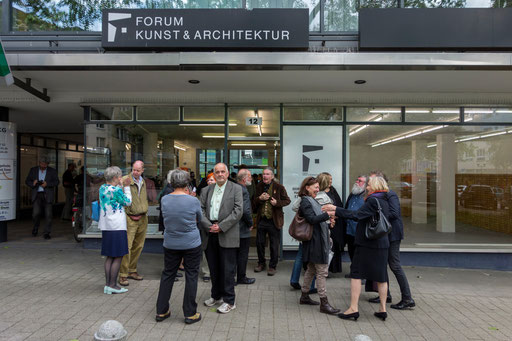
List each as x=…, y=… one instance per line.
x=5, y=71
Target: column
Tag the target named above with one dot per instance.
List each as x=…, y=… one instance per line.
x=168, y=157
x=419, y=183
x=150, y=151
x=445, y=188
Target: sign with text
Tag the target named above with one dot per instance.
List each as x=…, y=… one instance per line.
x=309, y=151
x=211, y=29
x=254, y=121
x=7, y=171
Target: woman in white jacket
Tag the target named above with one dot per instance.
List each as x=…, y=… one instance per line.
x=112, y=223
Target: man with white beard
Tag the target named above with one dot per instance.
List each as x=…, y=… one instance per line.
x=354, y=201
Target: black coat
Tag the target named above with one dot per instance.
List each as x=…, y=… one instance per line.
x=337, y=230
x=315, y=250
x=368, y=210
x=395, y=217
x=52, y=181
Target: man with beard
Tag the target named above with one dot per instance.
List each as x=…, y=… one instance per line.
x=354, y=201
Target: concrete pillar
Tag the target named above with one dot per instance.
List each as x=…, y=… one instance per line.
x=150, y=151
x=419, y=183
x=445, y=188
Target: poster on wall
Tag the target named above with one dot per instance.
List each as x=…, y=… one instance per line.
x=309, y=151
x=7, y=171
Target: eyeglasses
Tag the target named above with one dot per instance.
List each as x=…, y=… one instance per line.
x=360, y=181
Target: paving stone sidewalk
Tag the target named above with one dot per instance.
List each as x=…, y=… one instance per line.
x=57, y=294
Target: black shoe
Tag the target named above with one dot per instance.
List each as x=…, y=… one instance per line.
x=313, y=291
x=354, y=316
x=296, y=286
x=193, y=319
x=246, y=280
x=161, y=317
x=377, y=300
x=179, y=274
x=34, y=232
x=382, y=315
x=404, y=304
x=47, y=236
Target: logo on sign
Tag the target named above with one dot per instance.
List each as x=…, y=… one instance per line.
x=306, y=160
x=112, y=30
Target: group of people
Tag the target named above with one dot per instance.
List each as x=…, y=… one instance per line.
x=217, y=224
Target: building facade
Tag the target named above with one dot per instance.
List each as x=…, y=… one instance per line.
x=416, y=89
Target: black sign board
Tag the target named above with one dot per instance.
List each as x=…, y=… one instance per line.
x=206, y=29
x=435, y=29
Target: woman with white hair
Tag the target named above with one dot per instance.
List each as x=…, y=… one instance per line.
x=112, y=223
x=181, y=213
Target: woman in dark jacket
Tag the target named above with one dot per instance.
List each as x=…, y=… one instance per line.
x=315, y=251
x=371, y=255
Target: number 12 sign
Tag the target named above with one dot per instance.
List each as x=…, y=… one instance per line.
x=253, y=121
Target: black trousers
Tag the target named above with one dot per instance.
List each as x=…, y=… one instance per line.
x=350, y=245
x=242, y=256
x=266, y=226
x=172, y=260
x=396, y=268
x=40, y=207
x=222, y=264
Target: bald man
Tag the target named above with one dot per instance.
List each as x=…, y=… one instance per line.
x=222, y=206
x=137, y=224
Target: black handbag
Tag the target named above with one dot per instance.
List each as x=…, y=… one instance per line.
x=377, y=226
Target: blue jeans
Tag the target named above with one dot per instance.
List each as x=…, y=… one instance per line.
x=297, y=268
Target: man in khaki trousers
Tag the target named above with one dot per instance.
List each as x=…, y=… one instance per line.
x=137, y=224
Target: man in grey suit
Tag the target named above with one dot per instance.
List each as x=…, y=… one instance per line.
x=43, y=181
x=222, y=205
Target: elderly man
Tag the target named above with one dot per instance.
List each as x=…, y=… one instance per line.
x=222, y=206
x=136, y=224
x=244, y=179
x=269, y=200
x=42, y=180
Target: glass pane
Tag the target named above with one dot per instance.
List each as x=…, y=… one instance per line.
x=454, y=182
x=107, y=113
x=488, y=115
x=63, y=145
x=161, y=147
x=38, y=141
x=156, y=113
x=343, y=15
x=57, y=15
x=203, y=113
x=269, y=122
x=312, y=5
x=361, y=114
x=445, y=3
x=313, y=114
x=432, y=114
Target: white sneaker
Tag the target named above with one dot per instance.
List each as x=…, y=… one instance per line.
x=212, y=301
x=225, y=308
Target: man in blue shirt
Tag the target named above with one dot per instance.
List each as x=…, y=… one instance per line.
x=354, y=201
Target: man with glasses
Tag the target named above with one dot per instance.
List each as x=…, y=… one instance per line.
x=354, y=201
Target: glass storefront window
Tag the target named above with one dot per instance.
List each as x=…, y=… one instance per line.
x=109, y=113
x=312, y=5
x=313, y=114
x=362, y=114
x=161, y=147
x=454, y=182
x=158, y=113
x=203, y=114
x=239, y=127
x=416, y=114
x=489, y=115
x=343, y=15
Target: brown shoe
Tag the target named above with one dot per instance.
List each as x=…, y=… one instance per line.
x=135, y=276
x=259, y=268
x=326, y=308
x=271, y=271
x=123, y=281
x=305, y=299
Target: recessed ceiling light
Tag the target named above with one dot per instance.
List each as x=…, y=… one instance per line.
x=360, y=81
x=193, y=81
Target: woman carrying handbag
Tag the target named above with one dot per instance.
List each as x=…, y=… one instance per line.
x=371, y=255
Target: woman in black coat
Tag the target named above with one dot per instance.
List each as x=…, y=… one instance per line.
x=315, y=251
x=371, y=255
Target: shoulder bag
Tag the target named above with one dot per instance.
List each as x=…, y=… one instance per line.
x=377, y=226
x=300, y=229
